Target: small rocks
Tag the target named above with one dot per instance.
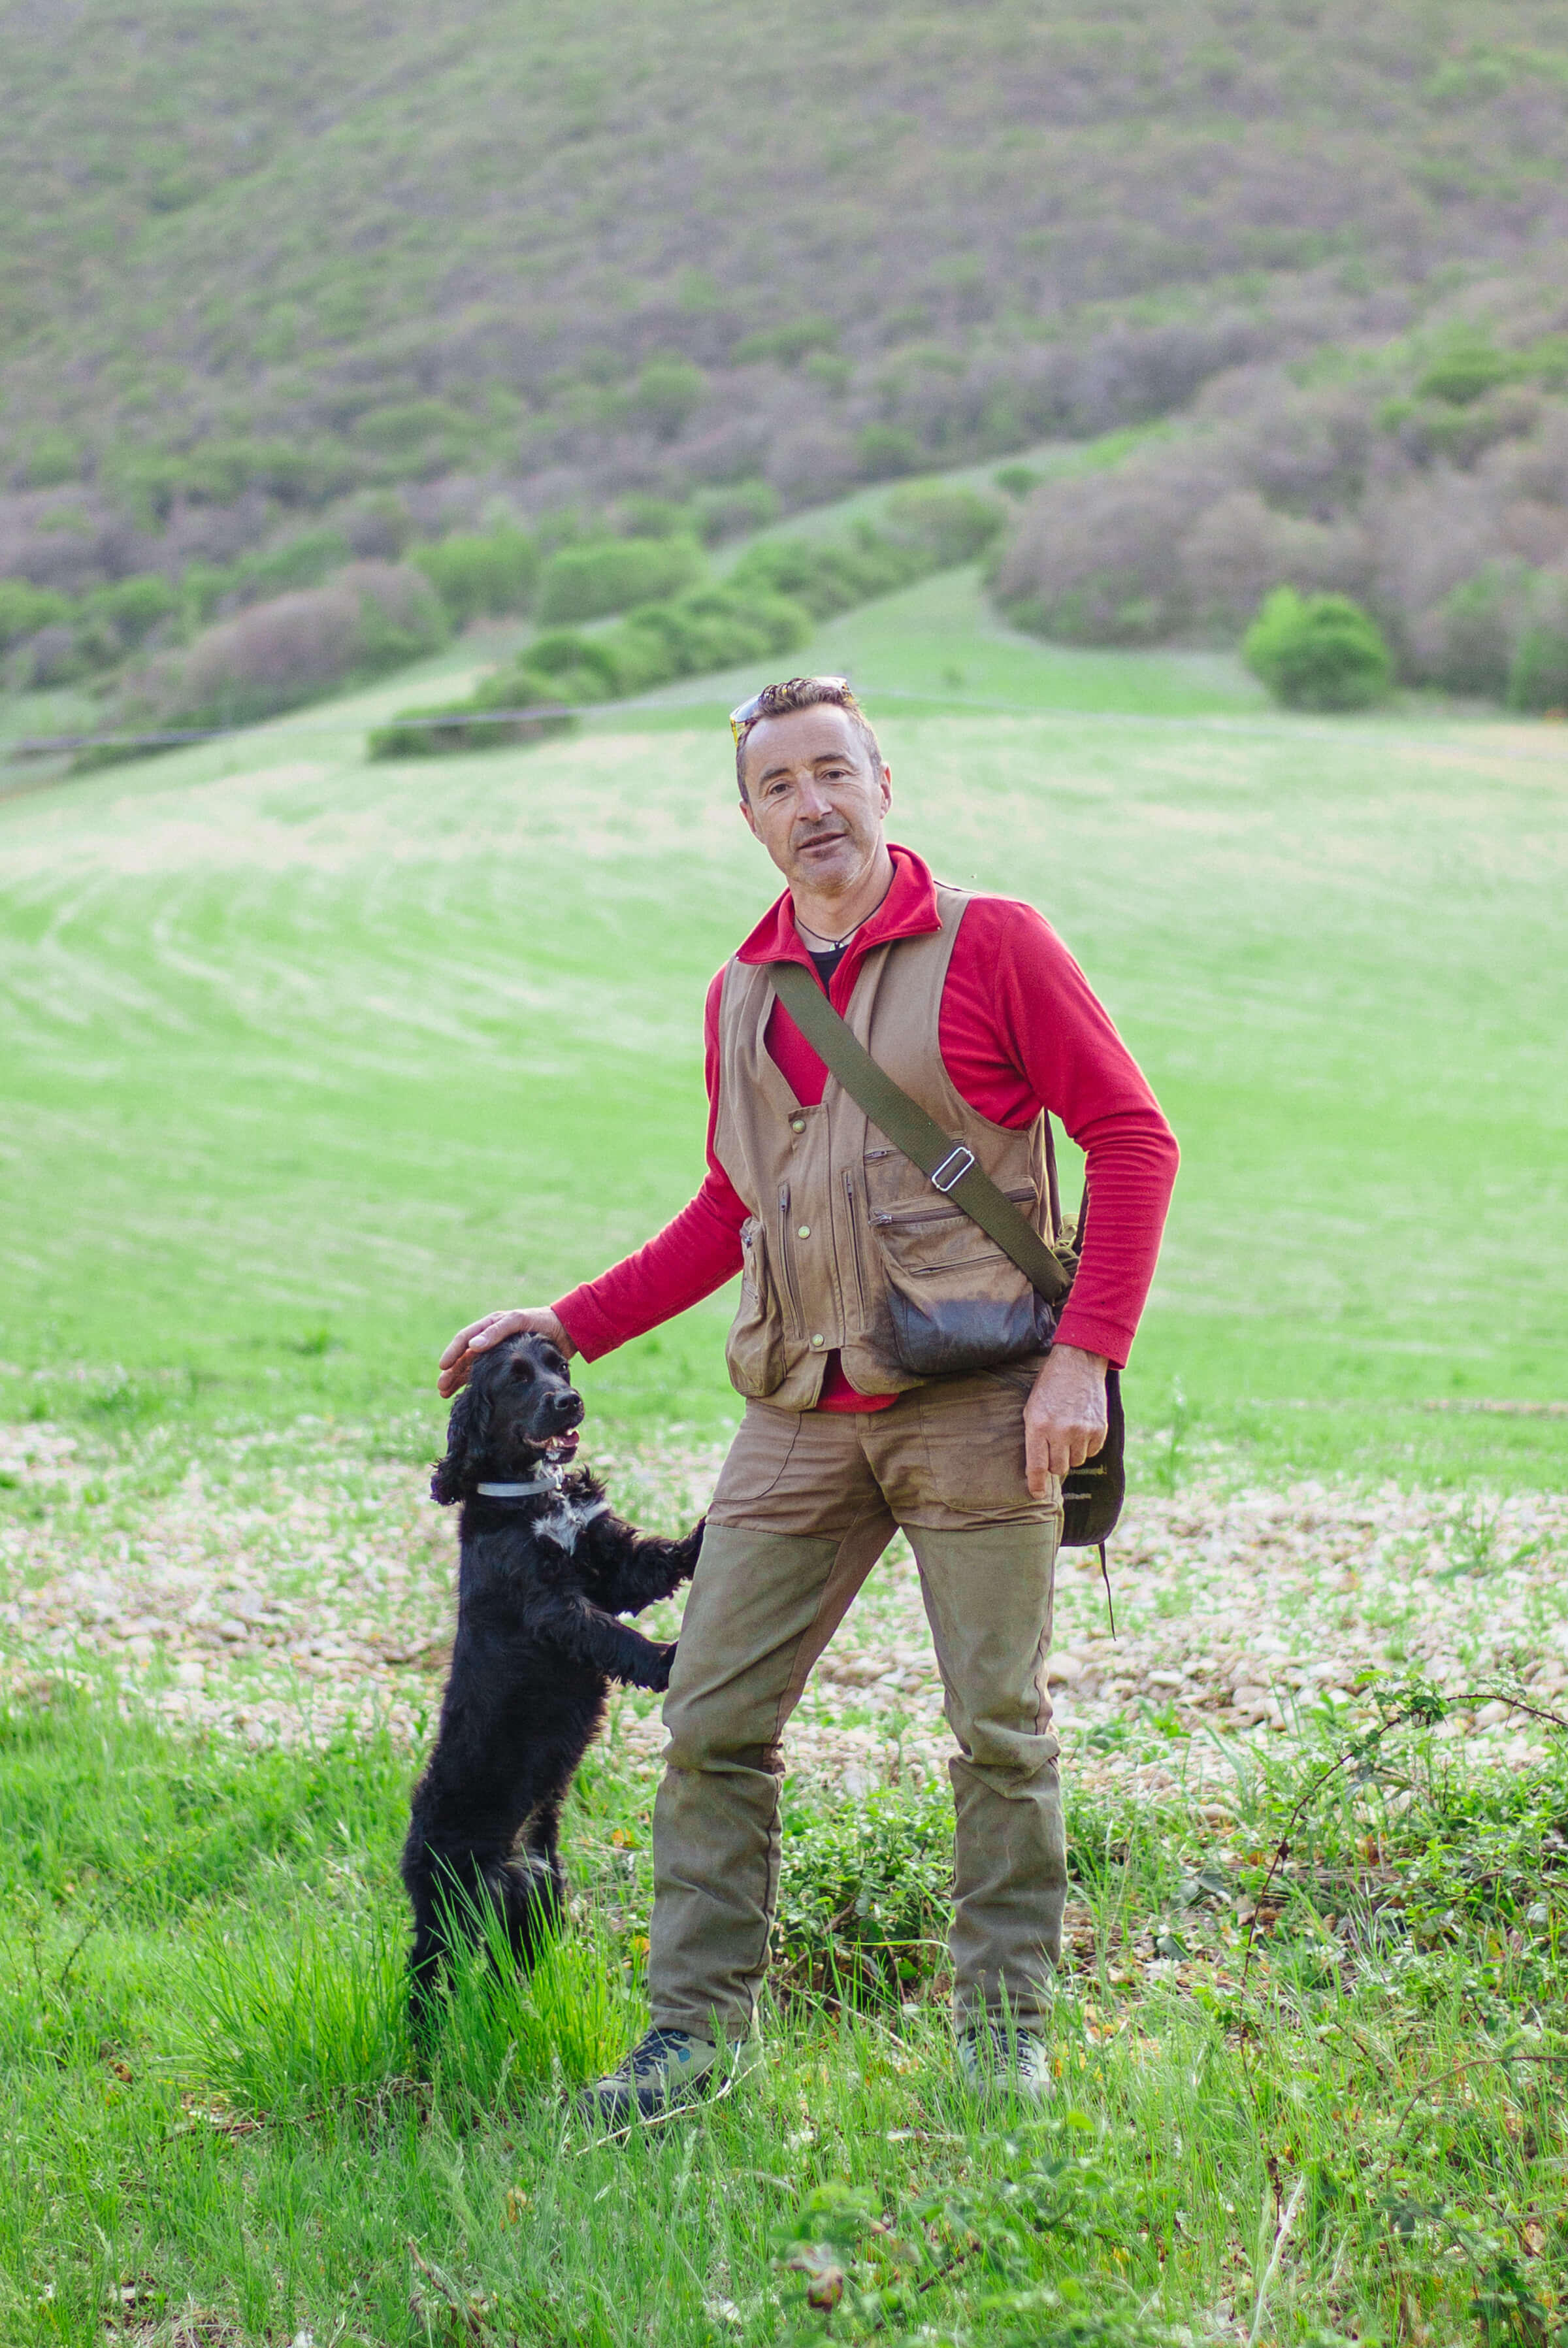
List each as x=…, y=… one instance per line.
x=324, y=1593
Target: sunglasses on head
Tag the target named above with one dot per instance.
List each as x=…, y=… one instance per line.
x=747, y=713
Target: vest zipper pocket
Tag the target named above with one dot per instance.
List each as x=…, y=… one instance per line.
x=787, y=1260
x=855, y=1242
x=756, y=1342
x=901, y=1215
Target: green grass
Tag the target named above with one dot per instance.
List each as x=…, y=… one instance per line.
x=211, y=2115
x=307, y=1061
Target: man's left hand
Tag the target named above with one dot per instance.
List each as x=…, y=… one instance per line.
x=1064, y=1421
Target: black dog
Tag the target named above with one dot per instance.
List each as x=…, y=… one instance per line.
x=544, y=1571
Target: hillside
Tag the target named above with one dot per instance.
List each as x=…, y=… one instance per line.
x=255, y=261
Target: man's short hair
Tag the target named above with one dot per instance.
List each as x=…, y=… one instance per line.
x=801, y=693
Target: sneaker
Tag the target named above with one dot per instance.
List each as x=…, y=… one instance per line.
x=997, y=2058
x=668, y=2067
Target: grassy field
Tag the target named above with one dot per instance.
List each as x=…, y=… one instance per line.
x=306, y=1060
x=309, y=1060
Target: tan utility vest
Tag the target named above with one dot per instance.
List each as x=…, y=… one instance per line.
x=842, y=1225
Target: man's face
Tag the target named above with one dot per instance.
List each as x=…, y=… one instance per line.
x=814, y=799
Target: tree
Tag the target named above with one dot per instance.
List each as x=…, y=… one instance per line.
x=1317, y=652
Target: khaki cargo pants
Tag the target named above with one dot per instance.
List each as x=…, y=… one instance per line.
x=804, y=1507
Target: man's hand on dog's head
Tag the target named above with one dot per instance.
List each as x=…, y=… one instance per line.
x=523, y=1321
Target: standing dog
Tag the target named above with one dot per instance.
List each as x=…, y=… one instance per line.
x=544, y=1571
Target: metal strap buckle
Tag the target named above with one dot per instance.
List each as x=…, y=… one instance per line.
x=953, y=1169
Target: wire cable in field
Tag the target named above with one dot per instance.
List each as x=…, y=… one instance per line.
x=540, y=716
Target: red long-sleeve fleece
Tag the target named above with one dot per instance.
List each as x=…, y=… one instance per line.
x=1020, y=1031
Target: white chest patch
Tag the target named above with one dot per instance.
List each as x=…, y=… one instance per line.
x=564, y=1523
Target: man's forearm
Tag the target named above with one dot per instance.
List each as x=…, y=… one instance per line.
x=694, y=1255
x=1131, y=1172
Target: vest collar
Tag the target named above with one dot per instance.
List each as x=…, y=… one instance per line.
x=909, y=909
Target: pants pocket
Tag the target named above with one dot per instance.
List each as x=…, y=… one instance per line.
x=755, y=1460
x=972, y=1430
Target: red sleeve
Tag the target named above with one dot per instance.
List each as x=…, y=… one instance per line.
x=692, y=1255
x=1022, y=1030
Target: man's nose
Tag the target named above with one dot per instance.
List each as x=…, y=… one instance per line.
x=813, y=802
x=566, y=1407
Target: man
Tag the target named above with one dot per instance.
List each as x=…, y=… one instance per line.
x=974, y=1006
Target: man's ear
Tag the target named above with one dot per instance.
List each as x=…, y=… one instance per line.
x=751, y=818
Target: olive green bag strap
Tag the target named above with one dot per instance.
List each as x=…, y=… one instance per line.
x=954, y=1170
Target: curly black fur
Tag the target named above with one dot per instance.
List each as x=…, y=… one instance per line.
x=538, y=1645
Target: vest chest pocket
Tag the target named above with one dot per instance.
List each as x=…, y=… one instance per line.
x=755, y=1348
x=956, y=1302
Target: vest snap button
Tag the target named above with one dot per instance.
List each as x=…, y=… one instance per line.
x=819, y=1340
x=797, y=1125
x=803, y=1231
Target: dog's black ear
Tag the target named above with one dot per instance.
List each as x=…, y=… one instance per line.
x=463, y=1430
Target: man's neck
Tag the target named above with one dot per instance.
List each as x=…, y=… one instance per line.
x=831, y=918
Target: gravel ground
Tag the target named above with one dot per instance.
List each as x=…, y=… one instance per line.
x=287, y=1584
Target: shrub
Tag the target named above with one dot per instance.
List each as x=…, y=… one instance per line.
x=1465, y=375
x=57, y=656
x=731, y=512
x=569, y=666
x=1538, y=675
x=643, y=516
x=53, y=459
x=883, y=451
x=1017, y=480
x=481, y=574
x=465, y=726
x=24, y=609
x=666, y=392
x=1317, y=652
x=1096, y=559
x=950, y=525
x=216, y=472
x=1241, y=548
x=809, y=463
x=1467, y=642
x=588, y=582
x=400, y=616
x=712, y=629
x=133, y=607
x=787, y=344
x=423, y=436
x=303, y=561
x=830, y=576
x=375, y=616
x=654, y=645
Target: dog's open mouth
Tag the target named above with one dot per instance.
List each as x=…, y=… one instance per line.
x=561, y=1447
